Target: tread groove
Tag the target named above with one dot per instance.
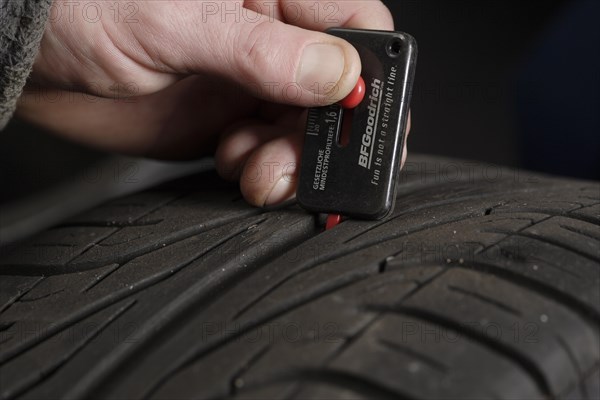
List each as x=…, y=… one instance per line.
x=173, y=238
x=555, y=266
x=148, y=329
x=16, y=298
x=577, y=217
x=148, y=212
x=485, y=299
x=40, y=375
x=585, y=311
x=411, y=293
x=197, y=352
x=523, y=361
x=314, y=264
x=406, y=233
x=408, y=212
x=432, y=363
x=45, y=296
x=109, y=224
x=358, y=384
x=100, y=278
x=98, y=305
x=580, y=232
x=567, y=349
x=233, y=382
x=508, y=234
x=549, y=241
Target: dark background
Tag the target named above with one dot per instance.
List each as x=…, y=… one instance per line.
x=508, y=82
x=470, y=53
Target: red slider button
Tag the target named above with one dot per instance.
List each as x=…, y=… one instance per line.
x=356, y=96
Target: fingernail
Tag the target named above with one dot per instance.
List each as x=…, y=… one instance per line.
x=283, y=190
x=321, y=64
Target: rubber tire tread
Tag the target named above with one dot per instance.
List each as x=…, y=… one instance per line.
x=483, y=284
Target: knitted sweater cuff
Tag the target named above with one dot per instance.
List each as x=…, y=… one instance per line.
x=22, y=25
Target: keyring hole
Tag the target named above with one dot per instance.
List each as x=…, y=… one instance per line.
x=395, y=47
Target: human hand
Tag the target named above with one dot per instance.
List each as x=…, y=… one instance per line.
x=180, y=79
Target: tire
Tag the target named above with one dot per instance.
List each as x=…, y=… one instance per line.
x=484, y=283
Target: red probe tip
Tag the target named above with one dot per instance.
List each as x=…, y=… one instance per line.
x=356, y=95
x=332, y=221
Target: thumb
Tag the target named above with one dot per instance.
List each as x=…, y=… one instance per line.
x=275, y=61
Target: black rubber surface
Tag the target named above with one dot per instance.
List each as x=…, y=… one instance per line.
x=484, y=283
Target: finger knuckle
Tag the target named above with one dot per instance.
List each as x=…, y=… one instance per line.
x=254, y=52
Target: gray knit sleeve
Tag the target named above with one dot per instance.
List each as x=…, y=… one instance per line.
x=21, y=28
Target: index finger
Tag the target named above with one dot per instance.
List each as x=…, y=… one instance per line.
x=320, y=15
